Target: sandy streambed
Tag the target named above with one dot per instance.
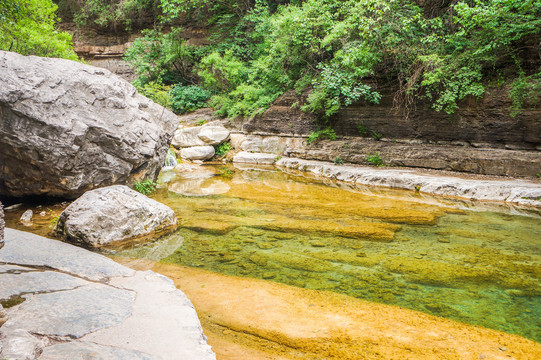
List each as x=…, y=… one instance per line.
x=256, y=319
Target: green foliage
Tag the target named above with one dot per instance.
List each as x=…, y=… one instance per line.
x=155, y=92
x=28, y=27
x=112, y=15
x=338, y=160
x=145, y=187
x=200, y=122
x=375, y=160
x=188, y=98
x=342, y=50
x=163, y=58
x=316, y=136
x=375, y=135
x=222, y=149
x=525, y=90
x=363, y=130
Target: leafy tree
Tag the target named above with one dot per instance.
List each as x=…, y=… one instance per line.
x=112, y=15
x=28, y=27
x=440, y=51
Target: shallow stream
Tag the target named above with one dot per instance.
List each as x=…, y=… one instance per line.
x=478, y=265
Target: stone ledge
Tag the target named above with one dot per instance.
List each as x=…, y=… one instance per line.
x=514, y=191
x=86, y=304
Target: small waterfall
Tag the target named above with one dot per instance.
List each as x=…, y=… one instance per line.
x=170, y=160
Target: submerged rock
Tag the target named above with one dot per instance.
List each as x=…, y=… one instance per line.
x=112, y=214
x=26, y=218
x=68, y=128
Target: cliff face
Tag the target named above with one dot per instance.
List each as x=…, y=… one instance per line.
x=484, y=122
x=481, y=138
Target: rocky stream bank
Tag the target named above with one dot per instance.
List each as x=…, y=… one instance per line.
x=69, y=128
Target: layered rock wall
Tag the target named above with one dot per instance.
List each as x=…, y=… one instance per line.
x=484, y=122
x=482, y=137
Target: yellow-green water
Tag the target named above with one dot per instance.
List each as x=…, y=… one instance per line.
x=442, y=257
x=475, y=266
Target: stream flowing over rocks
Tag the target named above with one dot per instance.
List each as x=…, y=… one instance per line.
x=112, y=214
x=85, y=305
x=67, y=128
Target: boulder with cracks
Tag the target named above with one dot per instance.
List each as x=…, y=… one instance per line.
x=68, y=128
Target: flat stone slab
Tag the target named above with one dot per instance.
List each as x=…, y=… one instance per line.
x=72, y=311
x=514, y=191
x=255, y=158
x=24, y=248
x=16, y=283
x=81, y=350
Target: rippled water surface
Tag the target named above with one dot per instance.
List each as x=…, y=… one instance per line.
x=479, y=265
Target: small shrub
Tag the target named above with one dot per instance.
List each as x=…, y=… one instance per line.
x=155, y=92
x=338, y=160
x=375, y=160
x=363, y=130
x=145, y=187
x=222, y=149
x=326, y=133
x=375, y=135
x=277, y=157
x=188, y=98
x=201, y=122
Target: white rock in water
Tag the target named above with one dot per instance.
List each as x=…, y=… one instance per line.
x=26, y=218
x=112, y=214
x=197, y=153
x=255, y=158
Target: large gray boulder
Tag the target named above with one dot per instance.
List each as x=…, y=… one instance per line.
x=67, y=127
x=113, y=214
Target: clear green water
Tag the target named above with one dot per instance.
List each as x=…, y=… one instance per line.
x=475, y=266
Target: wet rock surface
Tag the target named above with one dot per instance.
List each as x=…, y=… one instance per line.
x=513, y=191
x=113, y=214
x=88, y=305
x=68, y=127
